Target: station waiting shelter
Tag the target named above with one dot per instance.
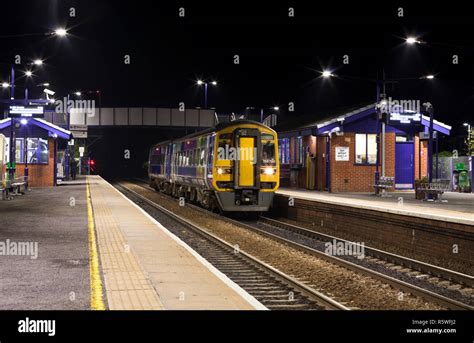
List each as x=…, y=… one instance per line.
x=37, y=144
x=340, y=153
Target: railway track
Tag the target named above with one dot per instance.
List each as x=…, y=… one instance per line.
x=274, y=289
x=303, y=240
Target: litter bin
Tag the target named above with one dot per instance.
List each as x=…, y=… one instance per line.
x=461, y=177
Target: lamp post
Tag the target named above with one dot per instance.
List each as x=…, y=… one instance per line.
x=468, y=126
x=428, y=109
x=275, y=108
x=201, y=82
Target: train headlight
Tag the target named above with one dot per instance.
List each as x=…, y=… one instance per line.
x=222, y=171
x=269, y=171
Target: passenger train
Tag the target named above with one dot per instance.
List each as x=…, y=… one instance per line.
x=232, y=167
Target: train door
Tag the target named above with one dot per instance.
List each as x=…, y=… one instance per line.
x=210, y=156
x=247, y=166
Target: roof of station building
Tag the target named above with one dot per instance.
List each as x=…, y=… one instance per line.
x=329, y=119
x=54, y=130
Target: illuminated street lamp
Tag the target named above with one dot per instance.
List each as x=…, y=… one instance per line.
x=28, y=73
x=77, y=93
x=38, y=62
x=5, y=85
x=61, y=32
x=326, y=74
x=428, y=77
x=201, y=82
x=411, y=40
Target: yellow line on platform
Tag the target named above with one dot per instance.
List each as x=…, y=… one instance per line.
x=97, y=301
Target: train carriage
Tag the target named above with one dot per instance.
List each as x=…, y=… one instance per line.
x=233, y=167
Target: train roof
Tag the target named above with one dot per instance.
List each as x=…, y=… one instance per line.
x=218, y=127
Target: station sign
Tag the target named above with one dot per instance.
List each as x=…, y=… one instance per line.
x=78, y=131
x=404, y=118
x=426, y=135
x=26, y=111
x=342, y=153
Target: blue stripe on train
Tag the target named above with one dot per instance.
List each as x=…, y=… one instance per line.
x=155, y=169
x=187, y=171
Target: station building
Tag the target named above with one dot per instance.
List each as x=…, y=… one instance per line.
x=39, y=145
x=339, y=153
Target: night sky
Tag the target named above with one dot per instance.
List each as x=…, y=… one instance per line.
x=280, y=57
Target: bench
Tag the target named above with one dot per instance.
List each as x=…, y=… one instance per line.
x=434, y=190
x=16, y=187
x=19, y=185
x=384, y=183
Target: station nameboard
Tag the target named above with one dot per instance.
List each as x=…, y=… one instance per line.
x=404, y=118
x=26, y=111
x=78, y=131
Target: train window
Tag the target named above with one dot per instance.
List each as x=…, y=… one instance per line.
x=225, y=139
x=202, y=157
x=196, y=157
x=268, y=149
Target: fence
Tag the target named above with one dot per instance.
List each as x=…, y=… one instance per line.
x=447, y=166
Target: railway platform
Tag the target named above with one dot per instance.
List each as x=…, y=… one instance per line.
x=83, y=245
x=145, y=267
x=441, y=233
x=459, y=207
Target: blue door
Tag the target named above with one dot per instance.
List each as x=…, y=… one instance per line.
x=404, y=164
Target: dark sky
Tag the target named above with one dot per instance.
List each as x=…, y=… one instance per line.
x=279, y=56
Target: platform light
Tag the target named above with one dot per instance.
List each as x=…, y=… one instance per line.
x=465, y=124
x=49, y=91
x=276, y=108
x=38, y=62
x=78, y=93
x=429, y=77
x=5, y=85
x=28, y=73
x=214, y=83
x=326, y=73
x=200, y=82
x=23, y=121
x=61, y=32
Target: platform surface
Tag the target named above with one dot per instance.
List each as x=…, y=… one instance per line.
x=55, y=220
x=145, y=266
x=458, y=209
